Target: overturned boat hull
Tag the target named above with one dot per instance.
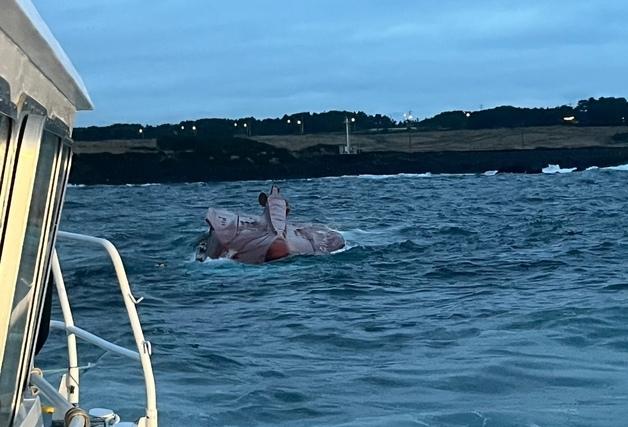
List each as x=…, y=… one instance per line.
x=268, y=237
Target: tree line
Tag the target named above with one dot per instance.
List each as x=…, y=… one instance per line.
x=591, y=112
x=298, y=123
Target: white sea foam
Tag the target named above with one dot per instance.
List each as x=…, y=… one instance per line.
x=415, y=175
x=407, y=175
x=345, y=248
x=617, y=168
x=592, y=168
x=149, y=184
x=399, y=175
x=490, y=173
x=217, y=261
x=76, y=185
x=552, y=169
x=214, y=261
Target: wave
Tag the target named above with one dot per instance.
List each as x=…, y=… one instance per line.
x=76, y=185
x=148, y=184
x=490, y=173
x=345, y=248
x=616, y=168
x=215, y=262
x=359, y=231
x=591, y=168
x=399, y=175
x=552, y=169
x=407, y=175
x=358, y=237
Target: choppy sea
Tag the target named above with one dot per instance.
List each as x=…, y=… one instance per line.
x=476, y=300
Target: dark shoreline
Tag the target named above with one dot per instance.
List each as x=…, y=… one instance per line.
x=173, y=167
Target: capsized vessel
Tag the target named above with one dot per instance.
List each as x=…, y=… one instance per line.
x=267, y=237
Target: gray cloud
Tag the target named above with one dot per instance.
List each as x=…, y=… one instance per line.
x=171, y=60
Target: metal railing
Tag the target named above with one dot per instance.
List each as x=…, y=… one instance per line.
x=73, y=416
x=143, y=352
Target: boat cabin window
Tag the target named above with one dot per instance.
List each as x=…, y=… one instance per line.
x=33, y=270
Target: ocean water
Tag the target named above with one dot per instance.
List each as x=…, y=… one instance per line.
x=479, y=300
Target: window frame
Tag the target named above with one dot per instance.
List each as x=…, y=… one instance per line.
x=6, y=161
x=18, y=197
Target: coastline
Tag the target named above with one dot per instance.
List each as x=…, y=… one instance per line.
x=140, y=168
x=233, y=158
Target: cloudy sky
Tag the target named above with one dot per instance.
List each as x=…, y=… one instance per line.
x=155, y=61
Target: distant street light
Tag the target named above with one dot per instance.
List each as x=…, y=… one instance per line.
x=194, y=128
x=467, y=114
x=141, y=132
x=300, y=123
x=182, y=127
x=289, y=121
x=245, y=126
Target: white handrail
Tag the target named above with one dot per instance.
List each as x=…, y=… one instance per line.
x=78, y=417
x=74, y=416
x=143, y=346
x=72, y=378
x=95, y=340
x=52, y=395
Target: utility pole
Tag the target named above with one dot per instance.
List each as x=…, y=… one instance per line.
x=408, y=116
x=348, y=137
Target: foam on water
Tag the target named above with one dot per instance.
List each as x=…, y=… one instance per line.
x=617, y=168
x=213, y=261
x=399, y=175
x=552, y=169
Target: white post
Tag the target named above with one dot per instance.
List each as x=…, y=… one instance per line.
x=348, y=146
x=72, y=378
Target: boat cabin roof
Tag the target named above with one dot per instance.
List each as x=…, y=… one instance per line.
x=22, y=27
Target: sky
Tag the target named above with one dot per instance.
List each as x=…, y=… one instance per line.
x=164, y=61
